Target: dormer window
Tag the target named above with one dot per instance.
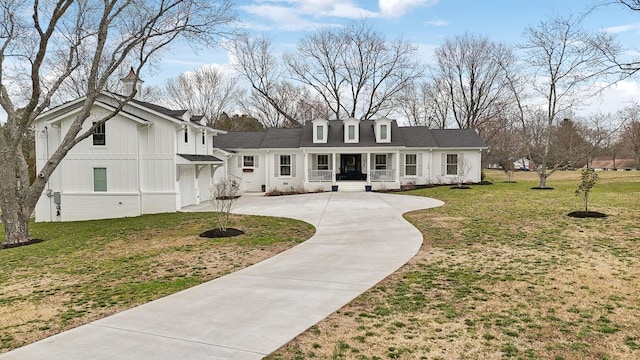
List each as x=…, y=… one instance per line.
x=351, y=131
x=320, y=131
x=383, y=130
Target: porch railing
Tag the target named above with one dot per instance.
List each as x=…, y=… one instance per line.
x=382, y=175
x=321, y=175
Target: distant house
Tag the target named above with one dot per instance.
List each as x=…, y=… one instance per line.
x=609, y=163
x=150, y=159
x=523, y=164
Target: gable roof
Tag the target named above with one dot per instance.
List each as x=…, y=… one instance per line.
x=414, y=136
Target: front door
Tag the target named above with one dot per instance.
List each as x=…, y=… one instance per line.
x=350, y=167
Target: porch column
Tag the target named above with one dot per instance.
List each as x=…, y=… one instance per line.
x=368, y=165
x=398, y=165
x=306, y=166
x=334, y=166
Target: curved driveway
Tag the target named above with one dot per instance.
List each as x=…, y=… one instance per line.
x=360, y=239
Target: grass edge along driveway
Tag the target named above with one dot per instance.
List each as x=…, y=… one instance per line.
x=503, y=273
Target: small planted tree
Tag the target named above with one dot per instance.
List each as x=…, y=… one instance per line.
x=508, y=167
x=464, y=169
x=588, y=179
x=224, y=195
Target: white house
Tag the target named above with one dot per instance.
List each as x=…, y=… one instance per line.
x=352, y=154
x=150, y=159
x=147, y=159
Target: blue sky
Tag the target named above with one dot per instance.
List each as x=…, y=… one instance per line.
x=427, y=23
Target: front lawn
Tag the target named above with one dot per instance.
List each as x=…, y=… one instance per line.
x=503, y=273
x=86, y=270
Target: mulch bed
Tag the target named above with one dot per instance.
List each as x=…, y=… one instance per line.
x=217, y=233
x=586, y=214
x=541, y=188
x=462, y=187
x=30, y=242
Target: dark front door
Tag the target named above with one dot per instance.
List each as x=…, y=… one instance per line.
x=350, y=167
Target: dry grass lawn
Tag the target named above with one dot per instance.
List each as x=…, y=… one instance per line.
x=503, y=273
x=84, y=271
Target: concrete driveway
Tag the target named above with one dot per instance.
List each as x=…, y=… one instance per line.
x=360, y=239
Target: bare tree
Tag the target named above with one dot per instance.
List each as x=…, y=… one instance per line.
x=43, y=44
x=612, y=50
x=356, y=70
x=205, y=91
x=630, y=135
x=475, y=72
x=253, y=59
x=224, y=195
x=566, y=64
x=425, y=104
x=297, y=102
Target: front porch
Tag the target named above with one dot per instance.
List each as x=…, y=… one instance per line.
x=351, y=171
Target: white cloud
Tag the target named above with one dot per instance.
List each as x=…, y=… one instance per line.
x=295, y=15
x=622, y=28
x=614, y=98
x=436, y=23
x=397, y=8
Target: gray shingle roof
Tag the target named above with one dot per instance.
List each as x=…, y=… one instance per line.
x=335, y=137
x=414, y=136
x=196, y=158
x=239, y=140
x=457, y=138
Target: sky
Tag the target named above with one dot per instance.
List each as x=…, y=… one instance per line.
x=426, y=23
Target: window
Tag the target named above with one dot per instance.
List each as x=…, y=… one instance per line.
x=186, y=134
x=319, y=132
x=99, y=179
x=452, y=164
x=351, y=132
x=285, y=165
x=248, y=161
x=411, y=165
x=323, y=162
x=381, y=162
x=204, y=138
x=99, y=137
x=383, y=132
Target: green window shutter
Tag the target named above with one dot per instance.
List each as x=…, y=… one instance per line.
x=240, y=161
x=419, y=165
x=460, y=164
x=99, y=179
x=443, y=163
x=255, y=160
x=402, y=162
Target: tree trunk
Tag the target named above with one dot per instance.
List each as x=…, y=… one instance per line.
x=16, y=226
x=543, y=179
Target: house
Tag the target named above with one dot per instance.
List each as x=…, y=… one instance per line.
x=147, y=159
x=150, y=159
x=609, y=163
x=352, y=154
x=523, y=164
